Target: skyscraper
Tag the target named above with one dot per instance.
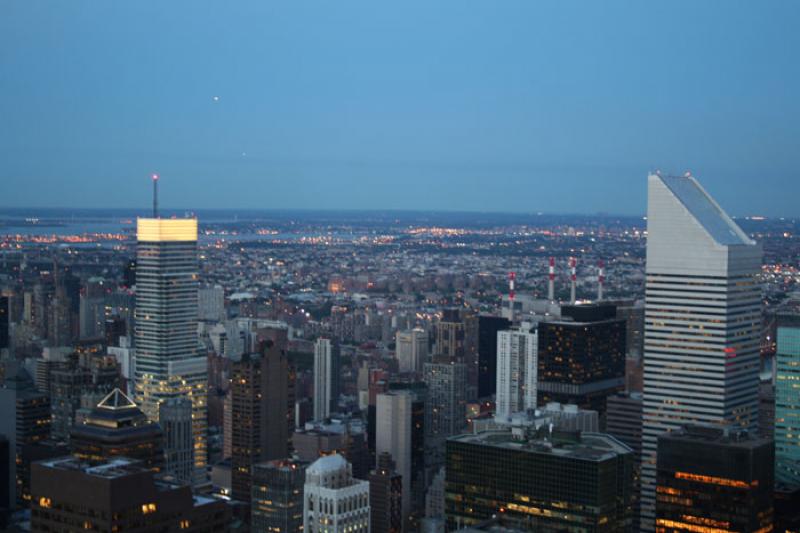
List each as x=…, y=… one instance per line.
x=516, y=371
x=258, y=393
x=385, y=497
x=394, y=410
x=787, y=402
x=445, y=408
x=480, y=345
x=326, y=377
x=582, y=356
x=168, y=363
x=702, y=319
x=411, y=349
x=175, y=418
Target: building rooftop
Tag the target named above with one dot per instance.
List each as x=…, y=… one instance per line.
x=327, y=464
x=705, y=210
x=717, y=435
x=583, y=446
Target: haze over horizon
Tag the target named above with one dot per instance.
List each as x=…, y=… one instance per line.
x=454, y=106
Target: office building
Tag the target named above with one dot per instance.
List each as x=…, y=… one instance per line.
x=69, y=495
x=394, y=412
x=326, y=378
x=168, y=363
x=25, y=421
x=385, y=497
x=445, y=407
x=258, y=409
x=540, y=481
x=624, y=419
x=702, y=319
x=449, y=335
x=517, y=368
x=277, y=496
x=411, y=349
x=211, y=303
x=92, y=303
x=582, y=356
x=334, y=501
x=713, y=479
x=480, y=339
x=787, y=402
x=117, y=428
x=175, y=416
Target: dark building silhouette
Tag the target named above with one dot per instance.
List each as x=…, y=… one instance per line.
x=481, y=348
x=709, y=477
x=582, y=356
x=4, y=321
x=117, y=428
x=120, y=495
x=259, y=390
x=385, y=497
x=539, y=481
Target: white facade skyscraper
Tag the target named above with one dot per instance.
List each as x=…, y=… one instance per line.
x=168, y=363
x=517, y=370
x=393, y=436
x=326, y=378
x=333, y=501
x=702, y=319
x=411, y=349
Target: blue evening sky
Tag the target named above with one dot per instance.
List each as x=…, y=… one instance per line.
x=492, y=105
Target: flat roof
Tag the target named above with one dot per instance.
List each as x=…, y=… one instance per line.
x=588, y=447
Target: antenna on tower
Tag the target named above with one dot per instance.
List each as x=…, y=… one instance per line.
x=155, y=195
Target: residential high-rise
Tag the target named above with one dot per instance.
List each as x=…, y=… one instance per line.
x=175, y=415
x=168, y=363
x=258, y=394
x=516, y=371
x=411, y=349
x=582, y=356
x=787, y=402
x=702, y=319
x=117, y=428
x=710, y=479
x=385, y=497
x=277, y=496
x=393, y=437
x=539, y=481
x=71, y=496
x=326, y=378
x=333, y=501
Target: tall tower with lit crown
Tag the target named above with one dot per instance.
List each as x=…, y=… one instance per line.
x=168, y=363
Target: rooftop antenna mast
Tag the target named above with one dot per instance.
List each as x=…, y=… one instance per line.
x=155, y=195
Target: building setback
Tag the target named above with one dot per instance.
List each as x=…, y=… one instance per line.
x=333, y=501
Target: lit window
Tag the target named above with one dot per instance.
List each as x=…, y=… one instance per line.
x=45, y=502
x=148, y=508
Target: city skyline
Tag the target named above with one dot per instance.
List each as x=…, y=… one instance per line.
x=524, y=107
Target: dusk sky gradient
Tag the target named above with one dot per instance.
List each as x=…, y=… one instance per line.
x=504, y=105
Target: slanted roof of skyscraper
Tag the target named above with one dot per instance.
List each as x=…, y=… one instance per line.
x=706, y=211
